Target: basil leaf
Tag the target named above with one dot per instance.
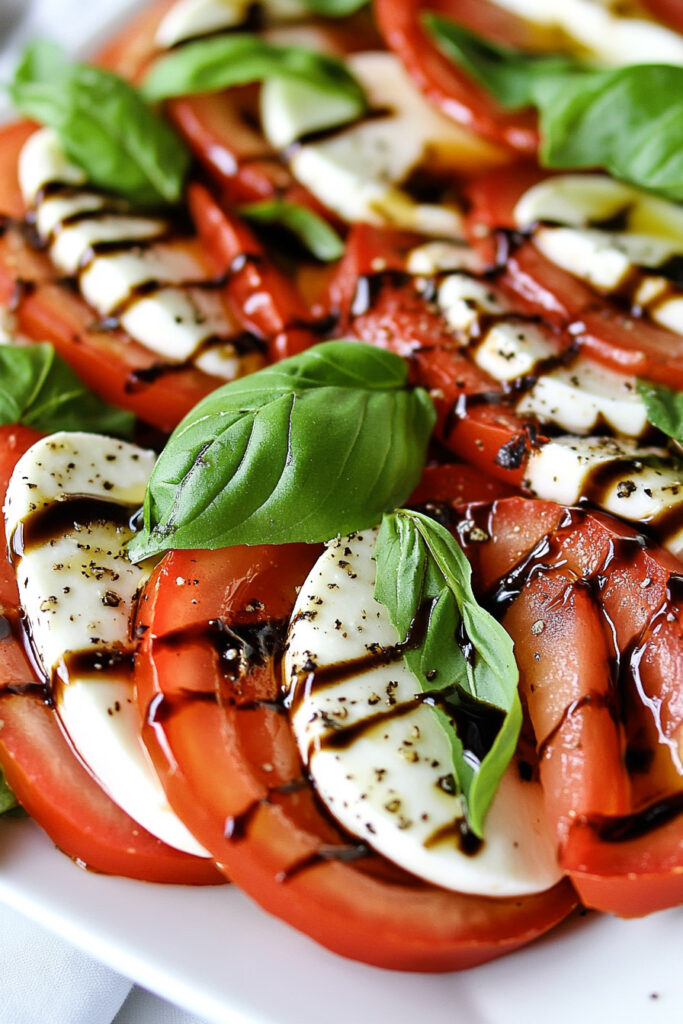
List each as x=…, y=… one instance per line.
x=8, y=801
x=664, y=408
x=314, y=233
x=628, y=120
x=334, y=8
x=104, y=126
x=422, y=570
x=511, y=75
x=38, y=389
x=237, y=59
x=317, y=445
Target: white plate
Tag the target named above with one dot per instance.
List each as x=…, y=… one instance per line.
x=218, y=955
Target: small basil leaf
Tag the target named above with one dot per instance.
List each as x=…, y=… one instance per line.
x=628, y=120
x=104, y=126
x=38, y=389
x=8, y=801
x=314, y=233
x=334, y=8
x=511, y=75
x=238, y=59
x=664, y=408
x=317, y=445
x=462, y=654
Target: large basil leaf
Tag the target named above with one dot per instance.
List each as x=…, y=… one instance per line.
x=239, y=58
x=309, y=228
x=664, y=408
x=465, y=656
x=317, y=445
x=628, y=120
x=103, y=124
x=38, y=389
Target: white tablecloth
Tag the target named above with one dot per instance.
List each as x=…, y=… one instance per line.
x=43, y=980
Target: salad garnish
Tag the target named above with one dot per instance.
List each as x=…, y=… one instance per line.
x=664, y=408
x=39, y=389
x=463, y=655
x=104, y=125
x=626, y=120
x=317, y=445
x=308, y=227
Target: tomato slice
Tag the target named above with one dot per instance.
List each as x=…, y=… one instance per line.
x=605, y=331
x=383, y=307
x=596, y=614
x=449, y=88
x=46, y=776
x=210, y=698
x=668, y=11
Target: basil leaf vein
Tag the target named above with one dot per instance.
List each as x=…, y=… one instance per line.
x=627, y=120
x=422, y=572
x=241, y=58
x=38, y=389
x=311, y=230
x=317, y=445
x=103, y=124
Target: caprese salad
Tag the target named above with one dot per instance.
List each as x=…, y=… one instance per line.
x=341, y=392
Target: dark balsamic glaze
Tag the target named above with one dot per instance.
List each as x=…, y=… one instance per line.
x=333, y=131
x=622, y=828
x=49, y=522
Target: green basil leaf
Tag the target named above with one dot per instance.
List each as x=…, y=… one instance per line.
x=334, y=8
x=628, y=120
x=421, y=570
x=317, y=445
x=38, y=389
x=104, y=126
x=511, y=75
x=311, y=230
x=8, y=801
x=237, y=59
x=664, y=408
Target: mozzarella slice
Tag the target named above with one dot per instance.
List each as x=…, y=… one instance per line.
x=175, y=320
x=359, y=170
x=391, y=783
x=188, y=19
x=607, y=259
x=640, y=485
x=609, y=31
x=78, y=590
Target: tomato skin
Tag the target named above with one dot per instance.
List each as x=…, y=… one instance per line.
x=41, y=768
x=593, y=587
x=366, y=911
x=442, y=81
x=668, y=11
x=269, y=303
x=604, y=331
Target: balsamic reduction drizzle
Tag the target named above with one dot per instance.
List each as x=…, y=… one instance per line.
x=49, y=522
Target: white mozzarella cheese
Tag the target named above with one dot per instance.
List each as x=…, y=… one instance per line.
x=359, y=171
x=564, y=469
x=190, y=18
x=391, y=784
x=175, y=319
x=463, y=300
x=652, y=235
x=578, y=397
x=613, y=33
x=438, y=256
x=78, y=589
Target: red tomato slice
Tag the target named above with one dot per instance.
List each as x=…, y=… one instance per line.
x=451, y=89
x=109, y=361
x=596, y=615
x=605, y=332
x=219, y=739
x=668, y=11
x=383, y=307
x=47, y=778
